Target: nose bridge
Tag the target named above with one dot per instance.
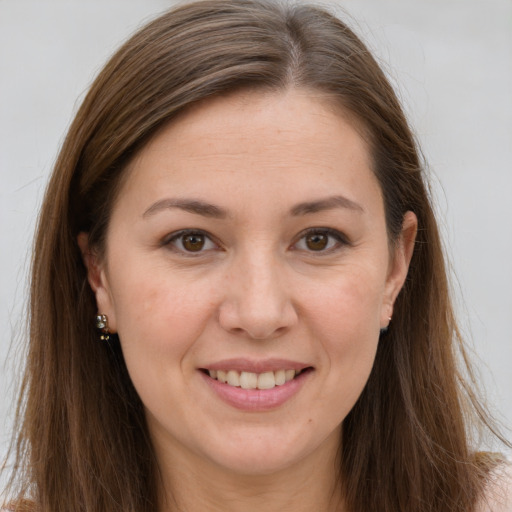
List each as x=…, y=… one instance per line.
x=258, y=301
x=261, y=280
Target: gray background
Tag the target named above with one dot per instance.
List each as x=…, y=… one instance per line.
x=451, y=61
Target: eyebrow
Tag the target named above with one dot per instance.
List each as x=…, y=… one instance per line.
x=210, y=210
x=189, y=205
x=327, y=203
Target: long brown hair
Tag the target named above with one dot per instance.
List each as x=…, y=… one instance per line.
x=82, y=442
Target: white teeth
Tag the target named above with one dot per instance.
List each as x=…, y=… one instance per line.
x=289, y=375
x=280, y=377
x=233, y=378
x=250, y=380
x=266, y=380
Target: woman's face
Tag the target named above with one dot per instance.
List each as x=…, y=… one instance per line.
x=248, y=243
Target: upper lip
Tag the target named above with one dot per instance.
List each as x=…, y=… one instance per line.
x=257, y=366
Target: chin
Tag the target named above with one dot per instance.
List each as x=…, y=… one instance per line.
x=260, y=454
x=254, y=463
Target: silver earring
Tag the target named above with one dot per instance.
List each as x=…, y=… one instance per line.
x=102, y=326
x=384, y=330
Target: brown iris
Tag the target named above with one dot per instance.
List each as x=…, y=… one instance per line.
x=193, y=242
x=317, y=241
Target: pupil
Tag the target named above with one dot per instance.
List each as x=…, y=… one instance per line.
x=193, y=243
x=316, y=242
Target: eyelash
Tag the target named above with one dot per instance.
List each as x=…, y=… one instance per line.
x=340, y=240
x=179, y=235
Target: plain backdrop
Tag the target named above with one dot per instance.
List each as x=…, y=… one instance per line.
x=451, y=61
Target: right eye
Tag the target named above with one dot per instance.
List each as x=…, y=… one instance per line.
x=191, y=241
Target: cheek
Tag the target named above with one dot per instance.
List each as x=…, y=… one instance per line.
x=159, y=323
x=158, y=320
x=348, y=305
x=346, y=321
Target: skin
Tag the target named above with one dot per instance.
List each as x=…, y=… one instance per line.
x=258, y=289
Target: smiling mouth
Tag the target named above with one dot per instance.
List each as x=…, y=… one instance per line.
x=250, y=380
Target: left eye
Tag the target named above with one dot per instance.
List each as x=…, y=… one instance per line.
x=320, y=240
x=191, y=241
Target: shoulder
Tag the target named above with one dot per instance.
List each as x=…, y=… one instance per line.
x=498, y=493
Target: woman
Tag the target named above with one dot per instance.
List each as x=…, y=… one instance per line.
x=239, y=298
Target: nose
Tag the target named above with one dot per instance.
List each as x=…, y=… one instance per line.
x=257, y=300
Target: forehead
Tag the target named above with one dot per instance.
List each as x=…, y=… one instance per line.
x=259, y=115
x=295, y=140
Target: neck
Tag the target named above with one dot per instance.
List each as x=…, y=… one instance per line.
x=191, y=484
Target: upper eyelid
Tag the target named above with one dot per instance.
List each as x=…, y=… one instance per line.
x=188, y=231
x=175, y=235
x=324, y=230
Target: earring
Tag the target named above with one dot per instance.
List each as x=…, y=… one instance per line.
x=384, y=330
x=102, y=325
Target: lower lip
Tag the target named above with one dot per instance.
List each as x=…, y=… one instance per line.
x=257, y=399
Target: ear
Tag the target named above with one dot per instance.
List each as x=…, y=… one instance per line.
x=98, y=280
x=399, y=266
